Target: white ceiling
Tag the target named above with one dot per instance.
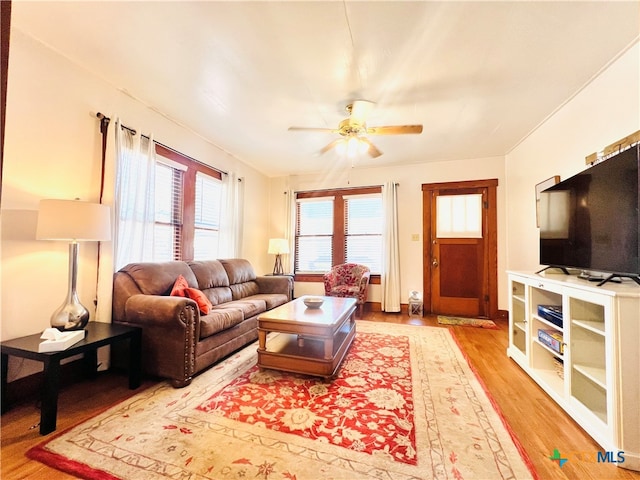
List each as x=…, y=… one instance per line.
x=480, y=76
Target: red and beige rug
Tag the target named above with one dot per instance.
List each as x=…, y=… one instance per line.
x=405, y=405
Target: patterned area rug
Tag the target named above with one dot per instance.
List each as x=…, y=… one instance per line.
x=405, y=405
x=467, y=322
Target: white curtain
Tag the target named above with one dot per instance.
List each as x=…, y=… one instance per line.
x=129, y=180
x=232, y=216
x=290, y=227
x=128, y=189
x=134, y=204
x=390, y=275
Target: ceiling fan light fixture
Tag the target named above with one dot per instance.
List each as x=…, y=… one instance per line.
x=353, y=131
x=353, y=147
x=363, y=147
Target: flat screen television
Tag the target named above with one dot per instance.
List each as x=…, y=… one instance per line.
x=590, y=221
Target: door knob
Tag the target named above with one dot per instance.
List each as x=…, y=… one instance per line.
x=435, y=262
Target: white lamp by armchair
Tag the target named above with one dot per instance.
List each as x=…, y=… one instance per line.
x=278, y=247
x=74, y=221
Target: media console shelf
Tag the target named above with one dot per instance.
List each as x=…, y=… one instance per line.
x=595, y=378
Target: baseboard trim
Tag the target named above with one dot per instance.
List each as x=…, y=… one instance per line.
x=404, y=308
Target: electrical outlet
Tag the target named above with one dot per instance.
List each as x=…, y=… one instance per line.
x=415, y=237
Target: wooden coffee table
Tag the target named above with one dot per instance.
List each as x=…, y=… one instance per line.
x=311, y=341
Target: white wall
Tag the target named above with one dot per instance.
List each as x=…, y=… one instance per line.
x=53, y=150
x=606, y=110
x=410, y=179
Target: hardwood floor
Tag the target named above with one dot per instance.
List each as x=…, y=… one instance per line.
x=537, y=422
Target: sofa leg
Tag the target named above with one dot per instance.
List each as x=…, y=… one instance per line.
x=360, y=310
x=180, y=383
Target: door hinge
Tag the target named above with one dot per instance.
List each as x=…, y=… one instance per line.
x=486, y=298
x=485, y=204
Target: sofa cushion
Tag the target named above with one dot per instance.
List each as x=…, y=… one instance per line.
x=218, y=320
x=209, y=274
x=179, y=286
x=204, y=304
x=245, y=289
x=249, y=306
x=182, y=289
x=272, y=300
x=158, y=278
x=238, y=270
x=218, y=295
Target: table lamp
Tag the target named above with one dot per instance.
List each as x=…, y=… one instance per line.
x=74, y=221
x=278, y=247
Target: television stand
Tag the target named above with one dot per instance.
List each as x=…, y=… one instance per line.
x=614, y=278
x=564, y=270
x=587, y=378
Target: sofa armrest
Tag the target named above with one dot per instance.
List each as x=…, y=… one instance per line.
x=170, y=333
x=276, y=284
x=163, y=311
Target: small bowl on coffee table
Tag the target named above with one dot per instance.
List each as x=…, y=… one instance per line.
x=313, y=302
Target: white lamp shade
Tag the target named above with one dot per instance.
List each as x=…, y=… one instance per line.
x=73, y=220
x=278, y=246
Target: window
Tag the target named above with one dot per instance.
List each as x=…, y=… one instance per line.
x=188, y=197
x=338, y=226
x=207, y=217
x=314, y=236
x=167, y=231
x=363, y=230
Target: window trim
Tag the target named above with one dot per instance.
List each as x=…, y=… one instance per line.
x=189, y=194
x=339, y=237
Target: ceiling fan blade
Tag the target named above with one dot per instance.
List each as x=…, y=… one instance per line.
x=331, y=145
x=372, y=150
x=394, y=130
x=360, y=110
x=313, y=129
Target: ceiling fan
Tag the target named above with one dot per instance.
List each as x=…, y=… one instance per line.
x=354, y=130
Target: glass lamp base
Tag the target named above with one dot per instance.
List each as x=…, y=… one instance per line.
x=71, y=316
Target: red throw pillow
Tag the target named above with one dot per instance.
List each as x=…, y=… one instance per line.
x=200, y=298
x=181, y=289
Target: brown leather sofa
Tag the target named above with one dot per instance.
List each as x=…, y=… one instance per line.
x=177, y=340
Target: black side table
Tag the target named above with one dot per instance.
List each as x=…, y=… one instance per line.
x=98, y=335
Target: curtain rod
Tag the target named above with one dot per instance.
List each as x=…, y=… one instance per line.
x=338, y=188
x=104, y=123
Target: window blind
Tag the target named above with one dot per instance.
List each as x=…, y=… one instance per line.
x=168, y=213
x=208, y=198
x=344, y=225
x=314, y=235
x=363, y=230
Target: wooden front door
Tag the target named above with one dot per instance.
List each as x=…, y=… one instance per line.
x=460, y=248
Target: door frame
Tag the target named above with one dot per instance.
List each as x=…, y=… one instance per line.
x=491, y=244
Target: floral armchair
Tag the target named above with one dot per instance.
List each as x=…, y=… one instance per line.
x=348, y=280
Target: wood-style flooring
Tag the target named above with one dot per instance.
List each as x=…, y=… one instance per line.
x=536, y=420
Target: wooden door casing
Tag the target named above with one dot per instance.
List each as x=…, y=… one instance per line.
x=471, y=291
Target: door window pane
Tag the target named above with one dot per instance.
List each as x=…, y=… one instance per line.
x=459, y=216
